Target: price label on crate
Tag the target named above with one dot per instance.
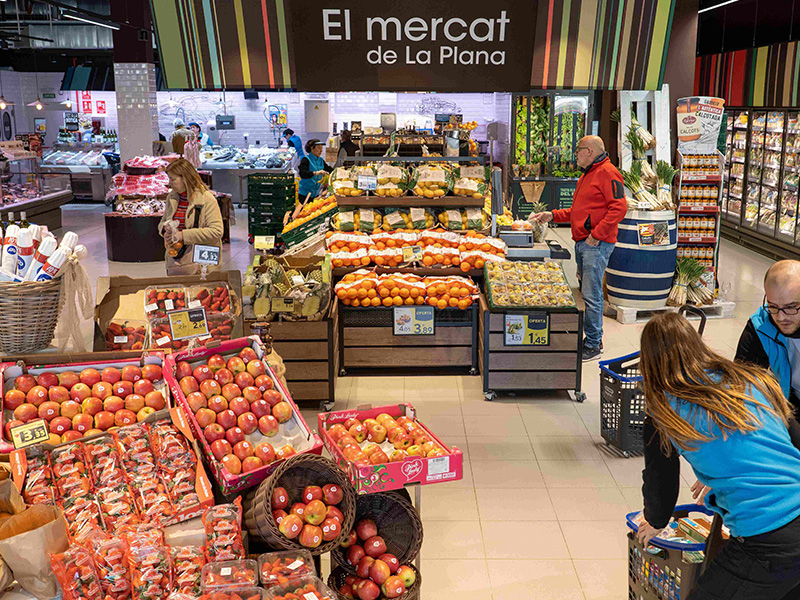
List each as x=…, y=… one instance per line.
x=412, y=253
x=531, y=329
x=282, y=305
x=188, y=323
x=264, y=242
x=32, y=432
x=414, y=320
x=205, y=255
x=367, y=182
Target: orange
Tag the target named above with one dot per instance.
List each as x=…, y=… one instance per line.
x=372, y=294
x=486, y=247
x=378, y=260
x=463, y=292
x=445, y=297
x=391, y=243
x=439, y=258
x=433, y=301
x=414, y=292
x=453, y=301
x=440, y=289
x=349, y=277
x=381, y=246
x=420, y=300
x=408, y=301
x=356, y=302
x=383, y=292
x=337, y=262
x=447, y=262
x=465, y=267
x=479, y=264
x=352, y=293
x=464, y=304
x=395, y=293
x=441, y=304
x=346, y=302
x=375, y=301
x=362, y=293
x=397, y=301
x=387, y=301
x=404, y=292
x=427, y=260
x=365, y=260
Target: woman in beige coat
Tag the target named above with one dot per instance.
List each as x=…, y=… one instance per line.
x=196, y=210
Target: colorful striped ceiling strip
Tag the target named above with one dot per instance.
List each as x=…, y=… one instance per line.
x=765, y=76
x=601, y=44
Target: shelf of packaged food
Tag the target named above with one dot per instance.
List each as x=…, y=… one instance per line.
x=698, y=210
x=739, y=126
x=773, y=148
x=696, y=239
x=409, y=202
x=737, y=196
x=737, y=176
x=738, y=160
x=691, y=178
x=774, y=130
x=421, y=271
x=772, y=184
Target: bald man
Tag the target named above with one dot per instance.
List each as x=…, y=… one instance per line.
x=771, y=338
x=598, y=206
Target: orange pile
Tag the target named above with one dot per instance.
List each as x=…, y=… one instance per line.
x=365, y=288
x=400, y=289
x=453, y=292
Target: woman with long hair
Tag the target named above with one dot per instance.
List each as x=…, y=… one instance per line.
x=733, y=425
x=197, y=213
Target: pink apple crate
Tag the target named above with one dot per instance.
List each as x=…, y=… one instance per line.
x=9, y=371
x=391, y=475
x=228, y=483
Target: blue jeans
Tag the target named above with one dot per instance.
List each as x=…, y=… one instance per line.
x=592, y=262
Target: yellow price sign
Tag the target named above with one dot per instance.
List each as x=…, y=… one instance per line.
x=282, y=305
x=29, y=434
x=188, y=323
x=264, y=242
x=531, y=329
x=412, y=253
x=414, y=320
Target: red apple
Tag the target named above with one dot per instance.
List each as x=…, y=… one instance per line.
x=251, y=393
x=90, y=376
x=220, y=448
x=256, y=367
x=80, y=392
x=379, y=458
x=110, y=375
x=280, y=499
x=58, y=394
x=394, y=432
x=71, y=436
x=182, y=369
x=347, y=440
x=82, y=422
x=375, y=546
x=299, y=509
x=26, y=412
x=189, y=385
x=24, y=383
x=235, y=365
x=122, y=388
x=13, y=399
x=59, y=425
x=10, y=425
x=205, y=417
x=196, y=401
x=113, y=403
x=362, y=568
x=135, y=402
x=244, y=380
x=336, y=431
x=243, y=449
x=265, y=452
x=393, y=587
x=68, y=378
x=285, y=451
x=278, y=515
x=335, y=514
x=349, y=540
x=70, y=408
x=408, y=575
x=377, y=434
x=231, y=391
x=251, y=463
x=311, y=492
x=260, y=408
x=102, y=390
x=391, y=561
x=273, y=397
x=124, y=417
x=210, y=387
x=155, y=400
x=415, y=451
x=247, y=422
x=91, y=432
x=247, y=354
x=144, y=413
x=282, y=411
x=346, y=591
x=315, y=512
x=143, y=387
x=223, y=377
x=215, y=362
x=332, y=493
x=213, y=432
x=268, y=425
x=152, y=373
x=217, y=403
x=47, y=380
x=234, y=435
x=238, y=404
x=131, y=373
x=369, y=591
x=379, y=572
x=232, y=464
x=227, y=418
x=311, y=535
x=36, y=395
x=350, y=422
x=263, y=383
x=203, y=373
x=354, y=555
x=49, y=410
x=104, y=420
x=359, y=432
x=291, y=526
x=366, y=529
x=331, y=528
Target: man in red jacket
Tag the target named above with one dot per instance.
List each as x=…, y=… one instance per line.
x=598, y=206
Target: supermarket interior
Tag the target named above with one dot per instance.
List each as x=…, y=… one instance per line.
x=489, y=210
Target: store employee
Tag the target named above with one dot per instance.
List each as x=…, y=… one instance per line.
x=312, y=169
x=294, y=141
x=201, y=137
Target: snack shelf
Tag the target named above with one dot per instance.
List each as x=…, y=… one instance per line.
x=409, y=202
x=701, y=210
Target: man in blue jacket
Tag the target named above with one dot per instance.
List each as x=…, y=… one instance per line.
x=771, y=338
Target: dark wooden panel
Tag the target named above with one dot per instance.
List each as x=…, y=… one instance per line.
x=305, y=370
x=299, y=330
x=529, y=361
x=559, y=342
x=309, y=390
x=384, y=336
x=302, y=350
x=558, y=322
x=518, y=380
x=442, y=356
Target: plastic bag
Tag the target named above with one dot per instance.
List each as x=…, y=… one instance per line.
x=77, y=574
x=105, y=462
x=187, y=564
x=150, y=565
x=112, y=567
x=223, y=527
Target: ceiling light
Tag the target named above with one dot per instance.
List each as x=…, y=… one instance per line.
x=3, y=103
x=37, y=103
x=67, y=103
x=721, y=4
x=76, y=16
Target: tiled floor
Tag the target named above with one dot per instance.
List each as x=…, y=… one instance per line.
x=540, y=511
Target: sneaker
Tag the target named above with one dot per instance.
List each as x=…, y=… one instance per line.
x=591, y=353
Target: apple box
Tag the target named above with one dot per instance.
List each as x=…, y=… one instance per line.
x=19, y=464
x=74, y=377
x=369, y=478
x=295, y=432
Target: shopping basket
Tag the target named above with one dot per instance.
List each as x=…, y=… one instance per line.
x=668, y=570
x=622, y=400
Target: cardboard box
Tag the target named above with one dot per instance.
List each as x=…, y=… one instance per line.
x=391, y=476
x=121, y=298
x=302, y=435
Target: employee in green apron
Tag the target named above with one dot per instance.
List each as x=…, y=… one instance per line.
x=312, y=169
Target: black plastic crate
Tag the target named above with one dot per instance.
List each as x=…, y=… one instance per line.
x=622, y=404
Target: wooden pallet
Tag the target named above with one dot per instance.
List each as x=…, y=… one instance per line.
x=627, y=314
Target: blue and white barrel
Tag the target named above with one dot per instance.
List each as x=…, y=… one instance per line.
x=640, y=276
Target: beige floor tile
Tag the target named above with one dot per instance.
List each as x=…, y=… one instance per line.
x=561, y=406
x=596, y=539
x=492, y=448
x=603, y=579
x=576, y=474
x=378, y=391
x=455, y=579
x=553, y=425
x=514, y=504
x=500, y=425
x=589, y=504
x=480, y=407
x=439, y=388
x=565, y=448
x=437, y=407
x=442, y=426
x=453, y=540
x=627, y=472
x=500, y=473
x=591, y=422
x=523, y=539
x=534, y=579
x=445, y=503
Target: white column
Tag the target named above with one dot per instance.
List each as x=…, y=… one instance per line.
x=137, y=108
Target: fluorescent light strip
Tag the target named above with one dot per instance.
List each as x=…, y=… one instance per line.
x=716, y=6
x=90, y=21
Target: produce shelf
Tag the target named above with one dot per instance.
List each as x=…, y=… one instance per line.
x=409, y=202
x=421, y=271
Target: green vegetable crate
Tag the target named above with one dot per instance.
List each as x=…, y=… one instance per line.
x=300, y=234
x=269, y=197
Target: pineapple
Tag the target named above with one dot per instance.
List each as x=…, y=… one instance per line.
x=279, y=289
x=315, y=275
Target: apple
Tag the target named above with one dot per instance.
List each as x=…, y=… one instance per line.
x=235, y=365
x=224, y=377
x=268, y=425
x=371, y=449
x=260, y=408
x=182, y=369
x=36, y=395
x=9, y=425
x=299, y=509
x=215, y=362
x=394, y=432
x=379, y=572
x=265, y=452
x=90, y=376
x=251, y=463
x=113, y=403
x=310, y=536
x=402, y=441
x=247, y=422
x=375, y=546
x=391, y=561
x=291, y=526
x=382, y=417
x=415, y=451
x=71, y=436
x=408, y=575
x=196, y=401
x=91, y=432
x=315, y=512
x=278, y=516
x=336, y=431
x=220, y=448
x=369, y=590
x=354, y=454
x=251, y=393
x=346, y=591
x=82, y=422
x=238, y=404
x=346, y=440
x=70, y=408
x=274, y=397
x=332, y=493
x=155, y=400
x=47, y=380
x=312, y=492
x=436, y=453
x=376, y=434
x=362, y=568
x=15, y=398
x=203, y=373
x=49, y=410
x=102, y=390
x=227, y=418
x=59, y=425
x=243, y=449
x=234, y=435
x=232, y=464
x=124, y=417
x=335, y=514
x=80, y=392
x=152, y=373
x=379, y=458
x=403, y=420
x=354, y=555
x=421, y=440
x=131, y=373
x=366, y=529
x=110, y=375
x=280, y=498
x=188, y=385
x=359, y=432
x=349, y=540
x=24, y=383
x=247, y=354
x=143, y=387
x=244, y=380
x=144, y=413
x=231, y=391
x=135, y=402
x=282, y=411
x=211, y=387
x=68, y=378
x=213, y=432
x=285, y=451
x=255, y=367
x=58, y=394
x=350, y=422
x=331, y=528
x=122, y=388
x=205, y=417
x=104, y=420
x=217, y=403
x=428, y=446
x=263, y=383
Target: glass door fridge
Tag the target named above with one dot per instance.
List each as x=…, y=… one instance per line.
x=771, y=173
x=738, y=158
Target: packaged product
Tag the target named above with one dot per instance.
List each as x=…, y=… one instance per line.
x=104, y=461
x=391, y=174
x=117, y=506
x=229, y=574
x=250, y=593
x=159, y=301
x=369, y=220
x=223, y=526
x=81, y=513
x=439, y=236
x=279, y=568
x=69, y=471
x=345, y=220
x=150, y=565
x=77, y=575
x=38, y=487
x=397, y=218
x=438, y=255
x=306, y=588
x=422, y=218
x=451, y=219
x=214, y=298
x=151, y=498
x=431, y=181
x=187, y=566
x=128, y=335
x=112, y=567
x=388, y=257
x=159, y=336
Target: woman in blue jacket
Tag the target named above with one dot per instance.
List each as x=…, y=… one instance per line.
x=295, y=142
x=733, y=425
x=312, y=169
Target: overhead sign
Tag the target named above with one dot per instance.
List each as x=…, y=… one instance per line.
x=699, y=121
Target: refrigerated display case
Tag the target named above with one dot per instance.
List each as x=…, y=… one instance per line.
x=24, y=188
x=85, y=165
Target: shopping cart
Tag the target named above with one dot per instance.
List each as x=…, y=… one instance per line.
x=668, y=570
x=622, y=399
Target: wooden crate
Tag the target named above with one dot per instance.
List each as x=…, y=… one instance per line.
x=368, y=341
x=309, y=350
x=518, y=368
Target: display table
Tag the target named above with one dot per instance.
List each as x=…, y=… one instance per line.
x=133, y=238
x=44, y=210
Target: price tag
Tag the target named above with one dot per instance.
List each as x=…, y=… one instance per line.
x=298, y=280
x=412, y=253
x=194, y=304
x=188, y=323
x=224, y=571
x=120, y=339
x=32, y=432
x=151, y=307
x=169, y=304
x=367, y=182
x=414, y=320
x=205, y=255
x=163, y=341
x=295, y=565
x=282, y=305
x=264, y=242
x=531, y=329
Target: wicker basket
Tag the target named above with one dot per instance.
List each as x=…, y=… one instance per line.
x=294, y=475
x=29, y=314
x=336, y=580
x=398, y=524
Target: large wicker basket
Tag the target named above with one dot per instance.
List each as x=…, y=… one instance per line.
x=294, y=475
x=337, y=577
x=29, y=314
x=398, y=524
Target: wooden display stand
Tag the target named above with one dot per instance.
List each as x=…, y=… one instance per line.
x=556, y=366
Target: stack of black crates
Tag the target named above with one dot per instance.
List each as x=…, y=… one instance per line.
x=269, y=197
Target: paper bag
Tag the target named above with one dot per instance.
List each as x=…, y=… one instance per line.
x=26, y=542
x=11, y=503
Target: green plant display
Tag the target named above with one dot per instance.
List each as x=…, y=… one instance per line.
x=521, y=131
x=570, y=122
x=539, y=129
